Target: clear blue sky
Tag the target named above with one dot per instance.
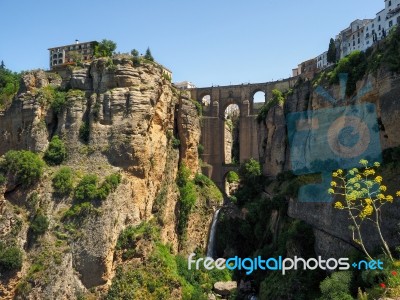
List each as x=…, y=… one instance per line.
x=207, y=42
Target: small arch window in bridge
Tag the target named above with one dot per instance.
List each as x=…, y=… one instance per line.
x=206, y=100
x=258, y=99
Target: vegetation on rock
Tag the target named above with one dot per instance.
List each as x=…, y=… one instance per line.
x=9, y=85
x=63, y=183
x=24, y=166
x=56, y=153
x=362, y=195
x=10, y=258
x=277, y=99
x=148, y=55
x=105, y=48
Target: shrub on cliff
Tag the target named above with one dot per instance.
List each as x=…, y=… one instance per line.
x=86, y=189
x=25, y=166
x=39, y=224
x=63, y=182
x=232, y=177
x=187, y=199
x=56, y=153
x=10, y=258
x=109, y=185
x=355, y=66
x=59, y=102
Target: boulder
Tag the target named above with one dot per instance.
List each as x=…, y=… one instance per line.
x=225, y=288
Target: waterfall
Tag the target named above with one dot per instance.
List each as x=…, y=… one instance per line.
x=211, y=239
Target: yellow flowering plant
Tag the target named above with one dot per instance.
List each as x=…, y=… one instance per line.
x=362, y=194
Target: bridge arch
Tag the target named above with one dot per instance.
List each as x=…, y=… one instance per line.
x=258, y=96
x=229, y=188
x=202, y=95
x=231, y=134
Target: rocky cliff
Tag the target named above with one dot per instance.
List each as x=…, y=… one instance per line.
x=117, y=118
x=333, y=238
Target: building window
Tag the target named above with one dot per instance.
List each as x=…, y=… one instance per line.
x=390, y=3
x=60, y=61
x=367, y=42
x=373, y=25
x=379, y=28
x=390, y=23
x=354, y=43
x=367, y=35
x=60, y=54
x=54, y=55
x=358, y=40
x=379, y=18
x=54, y=62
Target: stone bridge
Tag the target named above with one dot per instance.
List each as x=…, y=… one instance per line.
x=213, y=123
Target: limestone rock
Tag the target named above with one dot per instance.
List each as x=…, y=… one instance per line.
x=127, y=112
x=80, y=79
x=274, y=142
x=189, y=134
x=211, y=297
x=225, y=288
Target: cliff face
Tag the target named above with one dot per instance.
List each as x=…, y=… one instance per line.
x=333, y=238
x=117, y=118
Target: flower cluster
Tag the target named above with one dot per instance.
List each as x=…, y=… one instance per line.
x=361, y=189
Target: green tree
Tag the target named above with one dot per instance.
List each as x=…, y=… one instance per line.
x=362, y=194
x=56, y=153
x=250, y=171
x=2, y=65
x=76, y=57
x=25, y=166
x=105, y=48
x=148, y=55
x=331, y=56
x=63, y=181
x=135, y=53
x=9, y=85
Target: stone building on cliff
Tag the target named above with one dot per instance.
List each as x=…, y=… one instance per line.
x=64, y=55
